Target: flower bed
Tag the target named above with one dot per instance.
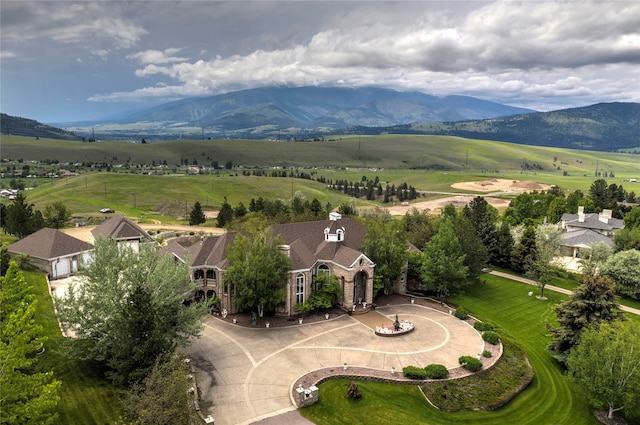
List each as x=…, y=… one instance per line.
x=404, y=328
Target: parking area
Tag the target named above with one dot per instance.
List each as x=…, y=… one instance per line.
x=246, y=374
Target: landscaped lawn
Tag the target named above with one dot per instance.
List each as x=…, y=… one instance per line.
x=550, y=399
x=86, y=397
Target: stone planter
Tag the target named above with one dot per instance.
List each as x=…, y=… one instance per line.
x=300, y=320
x=234, y=320
x=326, y=316
x=266, y=325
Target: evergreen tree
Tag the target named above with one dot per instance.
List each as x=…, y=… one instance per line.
x=483, y=217
x=504, y=246
x=524, y=253
x=21, y=220
x=196, y=217
x=225, y=215
x=471, y=246
x=28, y=394
x=591, y=303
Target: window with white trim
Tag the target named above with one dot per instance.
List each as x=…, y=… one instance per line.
x=299, y=288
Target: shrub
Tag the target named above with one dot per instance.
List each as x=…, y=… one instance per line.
x=470, y=363
x=491, y=337
x=486, y=353
x=483, y=326
x=436, y=371
x=461, y=313
x=414, y=372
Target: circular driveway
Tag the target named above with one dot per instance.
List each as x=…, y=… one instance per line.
x=246, y=374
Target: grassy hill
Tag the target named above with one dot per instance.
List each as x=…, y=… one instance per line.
x=418, y=152
x=26, y=127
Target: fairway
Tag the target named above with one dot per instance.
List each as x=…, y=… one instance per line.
x=550, y=398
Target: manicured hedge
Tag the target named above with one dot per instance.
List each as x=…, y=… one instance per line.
x=436, y=371
x=414, y=372
x=483, y=326
x=470, y=363
x=491, y=337
x=461, y=313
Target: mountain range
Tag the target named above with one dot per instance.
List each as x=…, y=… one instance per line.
x=304, y=113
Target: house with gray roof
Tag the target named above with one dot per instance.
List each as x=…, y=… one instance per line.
x=582, y=231
x=122, y=230
x=325, y=246
x=53, y=251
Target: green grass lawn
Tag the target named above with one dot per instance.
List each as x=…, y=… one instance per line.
x=550, y=399
x=86, y=397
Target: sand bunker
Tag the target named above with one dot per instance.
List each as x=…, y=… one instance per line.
x=501, y=185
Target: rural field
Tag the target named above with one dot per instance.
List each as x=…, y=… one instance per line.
x=428, y=163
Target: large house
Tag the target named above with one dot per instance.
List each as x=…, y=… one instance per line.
x=582, y=231
x=52, y=252
x=325, y=246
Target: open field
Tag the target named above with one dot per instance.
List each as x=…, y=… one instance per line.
x=389, y=152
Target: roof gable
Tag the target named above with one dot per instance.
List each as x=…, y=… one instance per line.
x=48, y=244
x=120, y=228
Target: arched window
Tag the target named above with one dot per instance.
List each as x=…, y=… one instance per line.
x=299, y=288
x=323, y=269
x=211, y=274
x=198, y=274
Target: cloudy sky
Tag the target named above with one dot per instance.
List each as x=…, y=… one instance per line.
x=71, y=61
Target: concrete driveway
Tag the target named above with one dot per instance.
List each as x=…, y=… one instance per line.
x=246, y=374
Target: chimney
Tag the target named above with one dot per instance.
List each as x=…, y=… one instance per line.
x=285, y=249
x=334, y=216
x=581, y=214
x=604, y=216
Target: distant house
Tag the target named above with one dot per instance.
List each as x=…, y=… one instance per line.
x=601, y=223
x=122, y=230
x=583, y=230
x=316, y=247
x=53, y=251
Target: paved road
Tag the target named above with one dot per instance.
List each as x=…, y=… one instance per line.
x=553, y=288
x=246, y=374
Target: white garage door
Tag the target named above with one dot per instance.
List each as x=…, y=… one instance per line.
x=61, y=268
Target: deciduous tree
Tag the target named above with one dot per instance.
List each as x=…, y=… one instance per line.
x=386, y=245
x=593, y=258
x=131, y=309
x=56, y=215
x=606, y=365
x=259, y=271
x=623, y=268
x=443, y=270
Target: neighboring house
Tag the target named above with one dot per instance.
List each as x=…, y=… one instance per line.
x=53, y=251
x=122, y=230
x=602, y=223
x=583, y=230
x=325, y=246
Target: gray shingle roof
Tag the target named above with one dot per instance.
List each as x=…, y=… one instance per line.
x=584, y=237
x=48, y=244
x=120, y=228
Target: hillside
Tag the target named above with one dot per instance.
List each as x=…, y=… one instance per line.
x=600, y=127
x=31, y=128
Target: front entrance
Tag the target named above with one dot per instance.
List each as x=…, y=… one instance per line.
x=359, y=287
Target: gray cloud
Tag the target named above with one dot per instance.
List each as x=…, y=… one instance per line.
x=543, y=55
